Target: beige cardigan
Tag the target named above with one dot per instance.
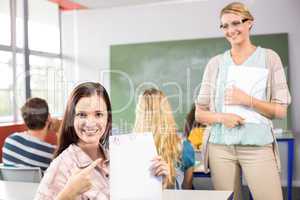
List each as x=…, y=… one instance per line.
x=277, y=92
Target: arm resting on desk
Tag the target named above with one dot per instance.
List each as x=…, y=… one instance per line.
x=188, y=179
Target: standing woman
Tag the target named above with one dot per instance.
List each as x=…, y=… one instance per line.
x=235, y=144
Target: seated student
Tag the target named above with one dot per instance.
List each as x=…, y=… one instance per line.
x=154, y=114
x=29, y=148
x=80, y=168
x=193, y=130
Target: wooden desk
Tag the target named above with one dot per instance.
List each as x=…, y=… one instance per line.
x=196, y=195
x=26, y=191
x=17, y=190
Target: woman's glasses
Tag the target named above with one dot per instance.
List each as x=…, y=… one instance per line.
x=234, y=24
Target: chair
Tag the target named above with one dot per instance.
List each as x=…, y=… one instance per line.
x=20, y=173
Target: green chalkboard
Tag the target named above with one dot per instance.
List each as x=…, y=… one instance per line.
x=176, y=67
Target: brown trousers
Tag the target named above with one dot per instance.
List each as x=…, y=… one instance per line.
x=257, y=164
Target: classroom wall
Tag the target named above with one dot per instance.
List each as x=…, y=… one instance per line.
x=88, y=34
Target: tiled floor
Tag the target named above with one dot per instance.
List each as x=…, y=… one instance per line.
x=205, y=184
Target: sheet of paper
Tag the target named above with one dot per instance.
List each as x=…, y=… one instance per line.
x=130, y=162
x=253, y=81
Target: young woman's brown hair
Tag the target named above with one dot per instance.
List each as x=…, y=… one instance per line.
x=67, y=134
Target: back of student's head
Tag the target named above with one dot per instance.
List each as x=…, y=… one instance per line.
x=35, y=113
x=67, y=132
x=154, y=114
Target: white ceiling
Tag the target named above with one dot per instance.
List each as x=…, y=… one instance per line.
x=98, y=4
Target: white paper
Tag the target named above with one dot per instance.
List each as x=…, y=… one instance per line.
x=130, y=162
x=251, y=80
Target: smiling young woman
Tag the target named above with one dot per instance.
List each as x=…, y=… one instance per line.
x=80, y=169
x=234, y=142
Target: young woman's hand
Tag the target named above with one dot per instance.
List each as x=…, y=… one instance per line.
x=231, y=120
x=79, y=182
x=159, y=167
x=236, y=96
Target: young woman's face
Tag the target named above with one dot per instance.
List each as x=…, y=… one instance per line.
x=236, y=28
x=90, y=119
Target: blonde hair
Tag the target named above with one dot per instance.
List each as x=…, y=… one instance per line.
x=237, y=8
x=154, y=114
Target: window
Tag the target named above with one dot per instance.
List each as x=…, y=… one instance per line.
x=43, y=26
x=30, y=56
x=20, y=23
x=47, y=81
x=6, y=80
x=5, y=22
x=46, y=72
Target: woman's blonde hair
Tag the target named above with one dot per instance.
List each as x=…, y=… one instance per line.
x=237, y=8
x=154, y=114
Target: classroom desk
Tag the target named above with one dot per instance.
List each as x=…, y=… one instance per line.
x=196, y=195
x=288, y=137
x=17, y=190
x=26, y=191
x=284, y=137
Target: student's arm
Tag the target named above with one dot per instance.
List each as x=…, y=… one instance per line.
x=188, y=179
x=188, y=163
x=79, y=183
x=160, y=168
x=68, y=193
x=54, y=125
